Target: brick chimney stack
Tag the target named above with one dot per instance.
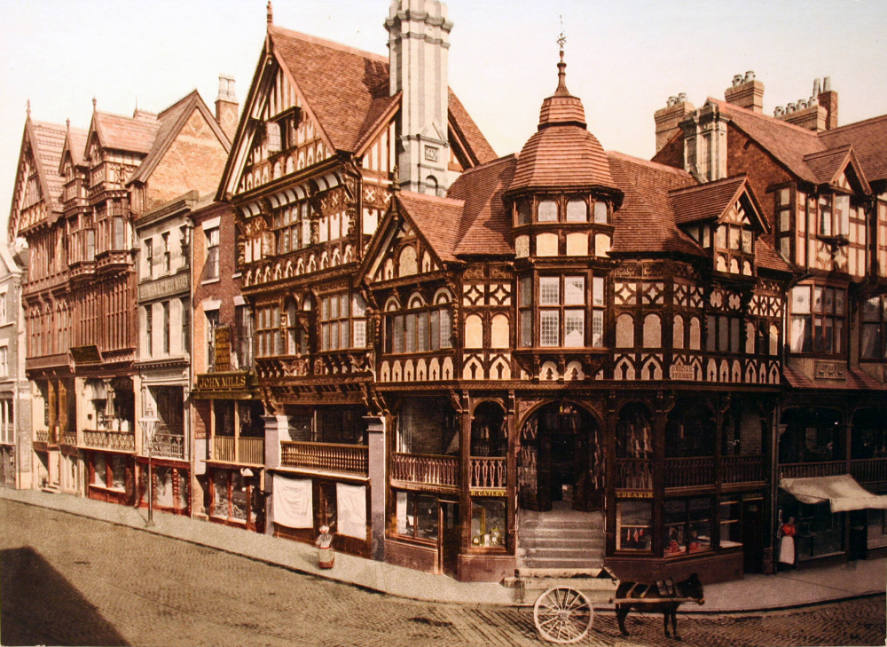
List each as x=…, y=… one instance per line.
x=746, y=92
x=667, y=118
x=818, y=113
x=227, y=107
x=828, y=98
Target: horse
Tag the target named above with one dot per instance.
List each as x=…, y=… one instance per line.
x=658, y=594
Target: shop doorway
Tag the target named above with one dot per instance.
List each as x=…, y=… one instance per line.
x=450, y=536
x=752, y=537
x=561, y=460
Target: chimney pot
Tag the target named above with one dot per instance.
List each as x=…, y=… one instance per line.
x=749, y=76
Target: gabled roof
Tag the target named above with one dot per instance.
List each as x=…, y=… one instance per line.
x=710, y=201
x=830, y=164
x=347, y=89
x=645, y=223
x=816, y=157
x=766, y=257
x=131, y=134
x=435, y=219
x=706, y=201
x=485, y=227
x=47, y=141
x=867, y=138
x=170, y=123
x=75, y=145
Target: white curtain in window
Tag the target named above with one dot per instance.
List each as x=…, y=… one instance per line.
x=291, y=502
x=351, y=507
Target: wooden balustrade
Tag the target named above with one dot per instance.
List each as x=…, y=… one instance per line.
x=634, y=474
x=223, y=449
x=245, y=450
x=689, y=471
x=804, y=470
x=426, y=469
x=169, y=446
x=41, y=435
x=117, y=440
x=70, y=438
x=742, y=469
x=869, y=470
x=487, y=473
x=333, y=457
x=251, y=450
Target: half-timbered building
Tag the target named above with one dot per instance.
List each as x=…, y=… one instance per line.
x=325, y=133
x=78, y=194
x=822, y=192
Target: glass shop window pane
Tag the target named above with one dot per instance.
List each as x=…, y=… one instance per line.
x=547, y=211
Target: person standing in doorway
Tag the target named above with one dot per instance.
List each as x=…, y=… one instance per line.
x=787, y=553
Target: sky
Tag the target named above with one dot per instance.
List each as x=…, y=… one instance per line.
x=624, y=58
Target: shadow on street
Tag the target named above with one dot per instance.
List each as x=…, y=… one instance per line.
x=41, y=607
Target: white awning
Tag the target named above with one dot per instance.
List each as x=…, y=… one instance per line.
x=842, y=492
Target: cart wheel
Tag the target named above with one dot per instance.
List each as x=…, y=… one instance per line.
x=563, y=615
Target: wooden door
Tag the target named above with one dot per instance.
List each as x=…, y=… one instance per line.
x=449, y=536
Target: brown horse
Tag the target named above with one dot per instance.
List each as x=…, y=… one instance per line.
x=658, y=595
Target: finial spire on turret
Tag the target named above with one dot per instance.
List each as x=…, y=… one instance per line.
x=28, y=109
x=93, y=104
x=68, y=125
x=562, y=66
x=269, y=18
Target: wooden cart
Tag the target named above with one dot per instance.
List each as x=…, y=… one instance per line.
x=564, y=612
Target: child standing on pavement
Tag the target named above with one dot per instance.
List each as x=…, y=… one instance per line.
x=324, y=542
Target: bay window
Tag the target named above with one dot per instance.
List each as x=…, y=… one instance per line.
x=817, y=319
x=563, y=307
x=874, y=328
x=420, y=329
x=342, y=321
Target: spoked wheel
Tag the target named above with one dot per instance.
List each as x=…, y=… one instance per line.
x=563, y=615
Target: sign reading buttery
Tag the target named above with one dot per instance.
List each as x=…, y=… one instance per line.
x=291, y=503
x=222, y=348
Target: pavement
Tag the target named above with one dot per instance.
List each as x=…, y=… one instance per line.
x=754, y=593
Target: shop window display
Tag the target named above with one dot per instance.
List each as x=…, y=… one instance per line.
x=417, y=516
x=163, y=496
x=488, y=522
x=687, y=526
x=634, y=525
x=101, y=470
x=118, y=473
x=220, y=495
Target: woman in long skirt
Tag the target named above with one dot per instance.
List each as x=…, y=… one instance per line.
x=787, y=533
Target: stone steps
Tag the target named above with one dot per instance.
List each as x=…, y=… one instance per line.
x=561, y=540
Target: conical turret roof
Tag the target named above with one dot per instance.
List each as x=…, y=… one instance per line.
x=562, y=153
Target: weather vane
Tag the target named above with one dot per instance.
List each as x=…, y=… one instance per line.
x=562, y=39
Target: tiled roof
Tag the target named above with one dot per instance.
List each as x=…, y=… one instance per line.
x=706, y=201
x=767, y=258
x=480, y=147
x=348, y=102
x=645, y=222
x=562, y=153
x=125, y=133
x=788, y=143
x=867, y=138
x=485, y=226
x=827, y=164
x=799, y=149
x=562, y=157
x=437, y=220
x=47, y=142
x=170, y=122
x=76, y=144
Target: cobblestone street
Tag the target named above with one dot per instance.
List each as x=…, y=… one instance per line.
x=67, y=580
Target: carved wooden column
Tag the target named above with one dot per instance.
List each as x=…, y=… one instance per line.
x=610, y=423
